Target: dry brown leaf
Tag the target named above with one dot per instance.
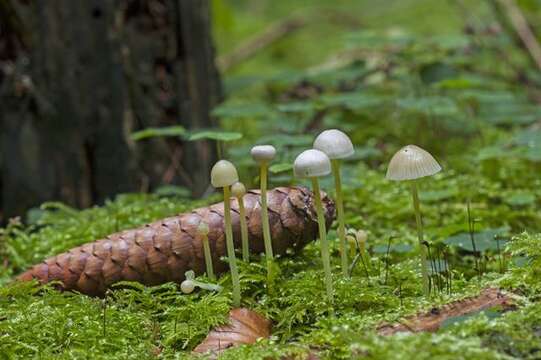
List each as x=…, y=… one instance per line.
x=244, y=327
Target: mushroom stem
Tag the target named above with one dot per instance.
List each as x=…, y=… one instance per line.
x=265, y=219
x=244, y=230
x=422, y=249
x=208, y=257
x=323, y=239
x=335, y=163
x=231, y=247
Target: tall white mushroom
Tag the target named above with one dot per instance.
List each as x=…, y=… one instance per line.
x=223, y=175
x=411, y=163
x=312, y=164
x=263, y=155
x=337, y=146
x=238, y=190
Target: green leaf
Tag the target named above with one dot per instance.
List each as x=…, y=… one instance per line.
x=520, y=198
x=438, y=195
x=158, y=132
x=278, y=168
x=431, y=105
x=484, y=240
x=215, y=135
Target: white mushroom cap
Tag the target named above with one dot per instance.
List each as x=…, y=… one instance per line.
x=335, y=144
x=312, y=163
x=223, y=174
x=238, y=189
x=203, y=228
x=412, y=162
x=263, y=153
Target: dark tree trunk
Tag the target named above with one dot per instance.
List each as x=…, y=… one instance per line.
x=76, y=77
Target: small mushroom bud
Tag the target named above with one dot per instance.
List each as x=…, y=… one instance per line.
x=203, y=230
x=187, y=286
x=337, y=146
x=238, y=190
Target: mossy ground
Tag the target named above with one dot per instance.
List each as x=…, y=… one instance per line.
x=450, y=94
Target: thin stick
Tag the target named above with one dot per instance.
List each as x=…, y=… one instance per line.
x=244, y=230
x=323, y=239
x=231, y=247
x=208, y=257
x=260, y=41
x=419, y=221
x=340, y=212
x=523, y=30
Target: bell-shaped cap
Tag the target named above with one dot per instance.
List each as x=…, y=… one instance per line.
x=238, y=190
x=412, y=162
x=223, y=174
x=263, y=153
x=312, y=163
x=335, y=144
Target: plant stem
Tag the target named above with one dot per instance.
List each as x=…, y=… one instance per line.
x=208, y=257
x=244, y=230
x=419, y=221
x=265, y=222
x=323, y=239
x=340, y=215
x=231, y=248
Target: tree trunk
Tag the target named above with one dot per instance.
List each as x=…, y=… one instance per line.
x=76, y=77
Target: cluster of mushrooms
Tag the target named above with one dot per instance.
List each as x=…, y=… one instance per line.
x=329, y=149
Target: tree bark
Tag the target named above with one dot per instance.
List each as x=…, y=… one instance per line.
x=77, y=77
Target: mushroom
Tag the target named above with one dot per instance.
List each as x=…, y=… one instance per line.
x=312, y=164
x=189, y=285
x=337, y=146
x=224, y=174
x=411, y=163
x=263, y=154
x=238, y=190
x=203, y=231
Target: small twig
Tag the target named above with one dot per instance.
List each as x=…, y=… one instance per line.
x=249, y=48
x=433, y=319
x=523, y=30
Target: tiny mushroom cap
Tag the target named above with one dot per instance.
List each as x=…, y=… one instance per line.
x=238, y=190
x=312, y=163
x=335, y=144
x=203, y=228
x=187, y=286
x=411, y=162
x=263, y=153
x=223, y=174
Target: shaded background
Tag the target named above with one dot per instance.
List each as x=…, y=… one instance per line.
x=77, y=78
